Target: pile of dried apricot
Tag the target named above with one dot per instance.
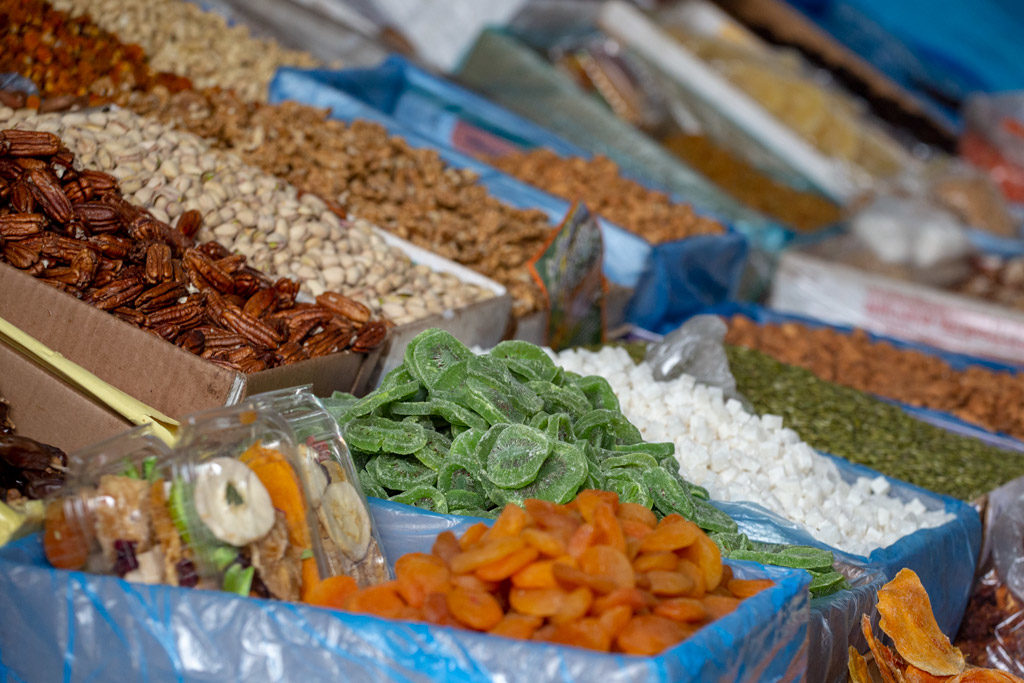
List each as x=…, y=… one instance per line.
x=594, y=573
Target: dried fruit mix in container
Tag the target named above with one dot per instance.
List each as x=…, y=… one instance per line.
x=349, y=540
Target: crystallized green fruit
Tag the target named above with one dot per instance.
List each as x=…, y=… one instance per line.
x=396, y=473
x=431, y=352
x=426, y=497
x=516, y=456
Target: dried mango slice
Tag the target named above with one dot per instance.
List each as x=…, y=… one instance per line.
x=907, y=618
x=858, y=667
x=887, y=662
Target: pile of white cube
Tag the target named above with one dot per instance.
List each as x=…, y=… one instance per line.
x=738, y=456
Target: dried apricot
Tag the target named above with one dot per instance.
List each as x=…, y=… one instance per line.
x=602, y=560
x=511, y=522
x=552, y=516
x=484, y=553
x=572, y=577
x=573, y=606
x=473, y=582
x=634, y=512
x=536, y=575
x=446, y=546
x=514, y=625
x=499, y=570
x=588, y=500
x=649, y=634
x=695, y=574
x=581, y=539
x=665, y=561
x=65, y=545
x=588, y=633
x=473, y=534
x=332, y=591
x=614, y=619
x=382, y=600
x=539, y=602
x=705, y=554
x=634, y=598
x=744, y=588
x=435, y=610
x=672, y=533
x=668, y=583
x=418, y=574
x=609, y=532
x=682, y=609
x=476, y=609
x=634, y=529
x=546, y=542
x=719, y=605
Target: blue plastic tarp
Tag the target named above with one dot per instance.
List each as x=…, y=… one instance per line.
x=61, y=625
x=714, y=264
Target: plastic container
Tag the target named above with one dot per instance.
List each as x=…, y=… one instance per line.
x=348, y=537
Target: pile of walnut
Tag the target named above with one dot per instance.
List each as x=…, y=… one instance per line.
x=73, y=230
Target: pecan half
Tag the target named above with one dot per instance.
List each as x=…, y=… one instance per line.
x=49, y=195
x=188, y=314
x=97, y=216
x=370, y=337
x=255, y=331
x=28, y=143
x=161, y=296
x=345, y=307
x=261, y=303
x=158, y=263
x=199, y=263
x=189, y=223
x=111, y=246
x=20, y=256
x=192, y=340
x=21, y=225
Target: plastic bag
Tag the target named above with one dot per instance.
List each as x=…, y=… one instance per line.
x=69, y=625
x=695, y=348
x=909, y=231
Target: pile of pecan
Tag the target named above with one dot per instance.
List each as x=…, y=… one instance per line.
x=73, y=230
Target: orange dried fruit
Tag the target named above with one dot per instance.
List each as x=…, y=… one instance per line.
x=634, y=598
x=705, y=554
x=536, y=575
x=573, y=576
x=665, y=561
x=693, y=572
x=614, y=619
x=435, y=609
x=471, y=535
x=906, y=617
x=887, y=662
x=446, y=546
x=511, y=522
x=858, y=667
x=588, y=633
x=720, y=605
x=609, y=531
x=332, y=592
x=546, y=542
x=649, y=634
x=514, y=625
x=473, y=582
x=552, y=516
x=581, y=539
x=64, y=543
x=672, y=533
x=669, y=583
x=575, y=604
x=539, y=602
x=744, y=588
x=499, y=570
x=914, y=675
x=604, y=561
x=682, y=609
x=419, y=574
x=475, y=609
x=382, y=600
x=484, y=553
x=634, y=529
x=588, y=500
x=634, y=512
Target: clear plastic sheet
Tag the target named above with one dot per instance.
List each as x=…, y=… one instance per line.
x=670, y=279
x=71, y=626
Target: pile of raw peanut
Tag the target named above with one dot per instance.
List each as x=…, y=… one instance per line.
x=371, y=175
x=994, y=400
x=70, y=58
x=71, y=227
x=596, y=182
x=181, y=38
x=250, y=212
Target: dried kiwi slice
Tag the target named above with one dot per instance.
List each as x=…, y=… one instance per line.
x=669, y=495
x=454, y=476
x=431, y=352
x=381, y=397
x=524, y=359
x=489, y=402
x=728, y=541
x=598, y=392
x=486, y=442
x=370, y=485
x=595, y=477
x=559, y=478
x=463, y=499
x=493, y=373
x=435, y=453
x=558, y=399
x=396, y=473
x=710, y=518
x=630, y=490
x=641, y=460
x=338, y=404
x=374, y=434
x=426, y=497
x=452, y=377
x=517, y=456
x=607, y=428
x=559, y=428
x=658, y=449
x=464, y=448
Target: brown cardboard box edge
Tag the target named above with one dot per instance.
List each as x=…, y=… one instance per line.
x=47, y=409
x=152, y=370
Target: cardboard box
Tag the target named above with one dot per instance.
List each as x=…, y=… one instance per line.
x=141, y=364
x=821, y=283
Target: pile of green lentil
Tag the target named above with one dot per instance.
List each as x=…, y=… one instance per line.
x=866, y=430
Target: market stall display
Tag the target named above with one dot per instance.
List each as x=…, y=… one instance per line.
x=251, y=213
x=986, y=396
x=75, y=231
x=182, y=38
x=371, y=175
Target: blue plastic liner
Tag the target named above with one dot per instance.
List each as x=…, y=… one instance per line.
x=61, y=625
x=714, y=263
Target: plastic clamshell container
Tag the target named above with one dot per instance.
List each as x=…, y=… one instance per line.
x=349, y=539
x=230, y=447
x=123, y=512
